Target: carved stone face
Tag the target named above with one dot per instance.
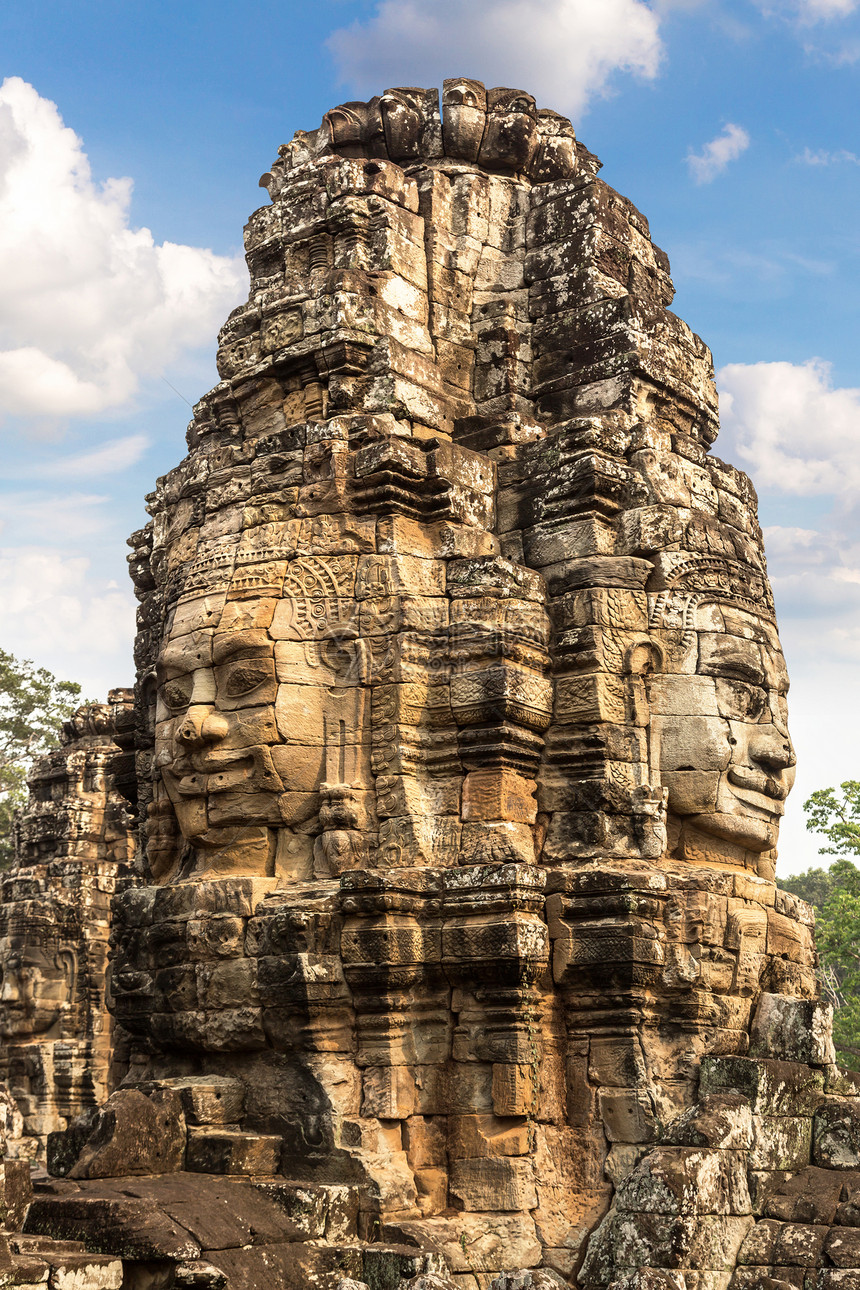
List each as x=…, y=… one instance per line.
x=719, y=712
x=216, y=723
x=464, y=118
x=35, y=984
x=511, y=136
x=404, y=114
x=255, y=714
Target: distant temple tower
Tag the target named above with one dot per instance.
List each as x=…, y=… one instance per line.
x=72, y=846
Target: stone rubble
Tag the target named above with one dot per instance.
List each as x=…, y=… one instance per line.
x=455, y=959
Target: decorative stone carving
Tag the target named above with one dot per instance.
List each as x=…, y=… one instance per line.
x=462, y=741
x=73, y=845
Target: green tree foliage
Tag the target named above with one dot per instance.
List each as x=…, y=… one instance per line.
x=839, y=947
x=33, y=707
x=838, y=819
x=814, y=887
x=834, y=893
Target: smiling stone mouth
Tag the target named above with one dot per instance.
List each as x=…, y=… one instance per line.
x=756, y=781
x=211, y=777
x=214, y=773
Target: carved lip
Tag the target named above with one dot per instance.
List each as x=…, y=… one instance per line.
x=755, y=781
x=210, y=774
x=223, y=772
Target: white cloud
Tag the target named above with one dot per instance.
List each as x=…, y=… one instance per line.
x=824, y=158
x=565, y=49
x=109, y=458
x=65, y=518
x=716, y=155
x=730, y=267
x=808, y=12
x=90, y=305
x=791, y=428
x=66, y=618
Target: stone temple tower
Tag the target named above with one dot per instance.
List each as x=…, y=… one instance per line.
x=74, y=846
x=462, y=751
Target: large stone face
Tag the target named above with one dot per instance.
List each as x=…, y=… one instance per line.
x=73, y=844
x=462, y=740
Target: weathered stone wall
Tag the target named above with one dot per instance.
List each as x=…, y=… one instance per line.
x=73, y=845
x=462, y=750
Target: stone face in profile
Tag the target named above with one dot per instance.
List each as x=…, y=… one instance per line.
x=73, y=844
x=462, y=737
x=729, y=765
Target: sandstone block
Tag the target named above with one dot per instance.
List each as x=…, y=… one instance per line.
x=230, y=1151
x=16, y=1190
x=842, y=1247
x=206, y=1099
x=780, y=1142
x=514, y=1089
x=134, y=1134
x=113, y=1226
x=305, y=1207
x=432, y=1189
x=623, y=1243
x=628, y=1116
x=772, y=1087
x=794, y=1030
x=498, y=795
x=492, y=1183
x=479, y=1242
x=388, y=1092
x=686, y=1181
x=836, y=1135
x=86, y=1272
x=715, y=1121
x=424, y=1140
x=479, y=1136
x=198, y=1274
x=809, y=1196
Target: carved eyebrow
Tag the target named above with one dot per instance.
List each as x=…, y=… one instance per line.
x=738, y=667
x=172, y=665
x=242, y=644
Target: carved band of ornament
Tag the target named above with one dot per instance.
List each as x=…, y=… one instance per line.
x=693, y=581
x=208, y=573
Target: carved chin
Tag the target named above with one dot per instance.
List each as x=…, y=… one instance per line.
x=743, y=830
x=15, y=1024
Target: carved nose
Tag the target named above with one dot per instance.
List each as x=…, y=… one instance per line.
x=773, y=748
x=201, y=726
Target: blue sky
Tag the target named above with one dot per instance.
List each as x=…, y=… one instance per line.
x=131, y=141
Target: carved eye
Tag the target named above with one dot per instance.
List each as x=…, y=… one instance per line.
x=245, y=677
x=754, y=703
x=746, y=702
x=176, y=694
